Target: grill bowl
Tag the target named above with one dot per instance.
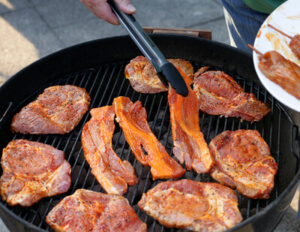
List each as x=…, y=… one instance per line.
x=99, y=66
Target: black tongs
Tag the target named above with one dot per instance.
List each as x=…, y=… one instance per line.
x=164, y=69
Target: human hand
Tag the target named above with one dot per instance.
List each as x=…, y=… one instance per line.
x=102, y=9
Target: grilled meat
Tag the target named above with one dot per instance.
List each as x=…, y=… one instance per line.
x=243, y=161
x=219, y=94
x=190, y=146
x=281, y=71
x=192, y=205
x=143, y=77
x=32, y=171
x=56, y=111
x=88, y=211
x=294, y=43
x=107, y=167
x=132, y=118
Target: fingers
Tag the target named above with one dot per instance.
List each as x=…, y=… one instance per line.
x=102, y=10
x=126, y=6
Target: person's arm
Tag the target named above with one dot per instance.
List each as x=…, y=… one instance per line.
x=102, y=10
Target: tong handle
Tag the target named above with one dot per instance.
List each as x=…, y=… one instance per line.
x=139, y=36
x=162, y=66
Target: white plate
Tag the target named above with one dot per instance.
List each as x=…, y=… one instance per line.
x=287, y=19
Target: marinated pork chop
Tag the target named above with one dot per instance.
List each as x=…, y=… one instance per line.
x=107, y=167
x=143, y=77
x=32, y=171
x=243, y=161
x=190, y=146
x=219, y=94
x=192, y=205
x=88, y=211
x=281, y=71
x=56, y=111
x=132, y=118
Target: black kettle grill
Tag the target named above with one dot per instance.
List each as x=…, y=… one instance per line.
x=98, y=66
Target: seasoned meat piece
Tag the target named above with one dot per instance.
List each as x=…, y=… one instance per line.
x=132, y=118
x=32, y=171
x=243, y=160
x=107, y=167
x=56, y=111
x=143, y=77
x=295, y=45
x=219, y=94
x=88, y=211
x=184, y=65
x=282, y=71
x=192, y=205
x=190, y=146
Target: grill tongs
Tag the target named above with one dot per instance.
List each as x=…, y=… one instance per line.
x=164, y=69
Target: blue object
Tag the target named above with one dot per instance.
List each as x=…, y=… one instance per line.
x=242, y=22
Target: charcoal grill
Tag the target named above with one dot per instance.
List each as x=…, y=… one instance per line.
x=98, y=66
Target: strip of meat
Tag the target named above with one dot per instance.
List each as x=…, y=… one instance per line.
x=32, y=171
x=132, y=118
x=89, y=211
x=192, y=205
x=143, y=77
x=107, y=167
x=282, y=71
x=56, y=111
x=243, y=160
x=190, y=146
x=219, y=94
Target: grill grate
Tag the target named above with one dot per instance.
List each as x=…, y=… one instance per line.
x=106, y=82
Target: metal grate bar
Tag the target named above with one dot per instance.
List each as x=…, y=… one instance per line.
x=6, y=111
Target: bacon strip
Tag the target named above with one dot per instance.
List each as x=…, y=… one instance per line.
x=107, y=167
x=132, y=118
x=190, y=146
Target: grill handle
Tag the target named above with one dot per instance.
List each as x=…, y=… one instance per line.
x=162, y=66
x=204, y=34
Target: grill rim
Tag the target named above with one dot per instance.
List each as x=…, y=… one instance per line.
x=290, y=189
